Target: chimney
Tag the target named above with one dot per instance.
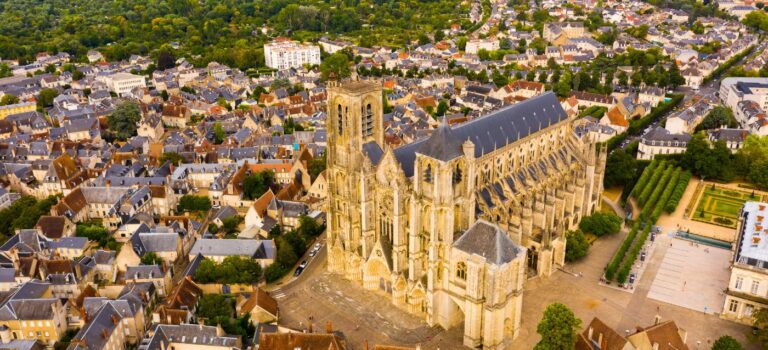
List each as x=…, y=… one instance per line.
x=656, y=319
x=107, y=183
x=589, y=334
x=310, y=329
x=114, y=319
x=104, y=333
x=329, y=327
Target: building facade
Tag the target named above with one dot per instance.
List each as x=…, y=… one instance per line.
x=285, y=54
x=449, y=226
x=748, y=285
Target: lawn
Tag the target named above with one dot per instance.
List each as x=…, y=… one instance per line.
x=721, y=206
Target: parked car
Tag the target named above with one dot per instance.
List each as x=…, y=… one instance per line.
x=632, y=278
x=303, y=264
x=298, y=272
x=318, y=245
x=313, y=252
x=642, y=256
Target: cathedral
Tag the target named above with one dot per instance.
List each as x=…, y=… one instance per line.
x=451, y=226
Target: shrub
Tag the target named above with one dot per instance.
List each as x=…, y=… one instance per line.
x=644, y=177
x=600, y=224
x=658, y=172
x=658, y=188
x=613, y=266
x=630, y=259
x=668, y=189
x=576, y=246
x=677, y=194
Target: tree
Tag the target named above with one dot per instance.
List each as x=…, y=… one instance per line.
x=760, y=321
x=623, y=78
x=165, y=60
x=123, y=121
x=8, y=99
x=316, y=166
x=218, y=133
x=558, y=328
x=442, y=108
x=257, y=184
x=717, y=117
x=172, y=157
x=194, y=203
x=77, y=75
x=336, y=66
x=601, y=224
x=758, y=174
x=95, y=232
x=45, y=99
x=215, y=308
x=151, y=258
x=576, y=245
x=309, y=227
x=230, y=224
x=5, y=70
x=726, y=342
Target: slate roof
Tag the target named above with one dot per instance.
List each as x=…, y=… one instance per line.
x=490, y=132
x=489, y=241
x=234, y=247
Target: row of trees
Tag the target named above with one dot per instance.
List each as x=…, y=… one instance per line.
x=598, y=224
x=291, y=246
x=190, y=202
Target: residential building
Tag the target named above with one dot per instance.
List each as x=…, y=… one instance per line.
x=285, y=54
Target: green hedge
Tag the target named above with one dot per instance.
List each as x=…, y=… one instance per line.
x=630, y=259
x=658, y=188
x=610, y=270
x=658, y=172
x=669, y=189
x=644, y=177
x=677, y=194
x=637, y=125
x=728, y=64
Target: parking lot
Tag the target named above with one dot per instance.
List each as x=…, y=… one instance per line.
x=693, y=276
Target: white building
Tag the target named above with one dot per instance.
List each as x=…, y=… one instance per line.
x=661, y=141
x=748, y=98
x=736, y=89
x=332, y=46
x=748, y=286
x=123, y=83
x=285, y=54
x=474, y=46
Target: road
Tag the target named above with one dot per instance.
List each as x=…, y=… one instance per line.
x=708, y=90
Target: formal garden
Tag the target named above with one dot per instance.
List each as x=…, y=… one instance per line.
x=721, y=206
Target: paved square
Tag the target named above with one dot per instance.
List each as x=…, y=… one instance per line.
x=692, y=276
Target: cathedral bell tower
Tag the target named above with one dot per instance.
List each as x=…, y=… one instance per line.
x=354, y=122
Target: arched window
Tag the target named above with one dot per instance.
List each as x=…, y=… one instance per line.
x=461, y=271
x=367, y=121
x=428, y=174
x=340, y=120
x=457, y=174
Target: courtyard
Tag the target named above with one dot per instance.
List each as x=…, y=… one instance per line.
x=366, y=316
x=693, y=276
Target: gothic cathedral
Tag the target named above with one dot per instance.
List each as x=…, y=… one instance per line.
x=451, y=226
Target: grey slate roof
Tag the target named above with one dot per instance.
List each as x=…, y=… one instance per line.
x=234, y=247
x=489, y=241
x=490, y=132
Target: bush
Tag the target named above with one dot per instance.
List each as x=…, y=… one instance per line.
x=658, y=188
x=600, y=224
x=723, y=221
x=630, y=259
x=677, y=194
x=658, y=172
x=643, y=181
x=576, y=246
x=274, y=272
x=615, y=263
x=95, y=232
x=666, y=194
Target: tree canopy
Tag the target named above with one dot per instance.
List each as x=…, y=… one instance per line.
x=717, y=117
x=336, y=66
x=123, y=122
x=601, y=224
x=558, y=328
x=726, y=342
x=255, y=185
x=576, y=246
x=233, y=270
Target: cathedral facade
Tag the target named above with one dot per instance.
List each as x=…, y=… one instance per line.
x=451, y=226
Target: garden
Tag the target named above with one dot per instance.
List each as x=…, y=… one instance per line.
x=721, y=206
x=659, y=189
